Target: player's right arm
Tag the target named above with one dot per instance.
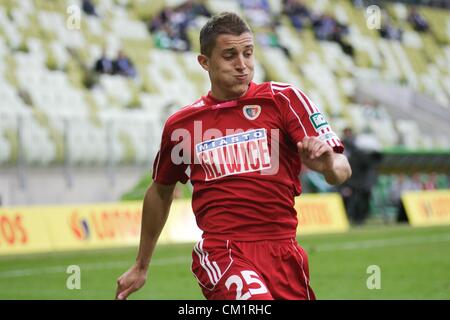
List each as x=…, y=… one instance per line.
x=156, y=206
x=167, y=171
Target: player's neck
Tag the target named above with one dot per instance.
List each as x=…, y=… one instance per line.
x=220, y=95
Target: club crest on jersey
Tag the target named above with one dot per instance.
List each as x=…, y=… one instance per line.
x=318, y=120
x=252, y=112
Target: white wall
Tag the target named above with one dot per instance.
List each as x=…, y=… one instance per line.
x=49, y=185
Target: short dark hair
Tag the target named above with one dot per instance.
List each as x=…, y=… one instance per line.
x=223, y=23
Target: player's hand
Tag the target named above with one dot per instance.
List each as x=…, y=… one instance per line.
x=130, y=281
x=316, y=154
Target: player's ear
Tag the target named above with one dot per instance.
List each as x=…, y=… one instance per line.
x=203, y=61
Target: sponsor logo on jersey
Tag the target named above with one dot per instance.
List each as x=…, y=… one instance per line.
x=251, y=112
x=318, y=120
x=234, y=154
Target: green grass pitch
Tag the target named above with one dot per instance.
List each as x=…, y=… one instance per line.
x=414, y=264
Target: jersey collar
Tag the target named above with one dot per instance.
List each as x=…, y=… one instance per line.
x=225, y=103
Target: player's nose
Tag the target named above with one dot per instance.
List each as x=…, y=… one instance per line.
x=240, y=63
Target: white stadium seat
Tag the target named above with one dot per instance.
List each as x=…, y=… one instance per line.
x=172, y=80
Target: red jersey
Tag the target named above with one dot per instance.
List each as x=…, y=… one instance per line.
x=242, y=159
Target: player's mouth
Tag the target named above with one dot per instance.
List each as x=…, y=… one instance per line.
x=241, y=77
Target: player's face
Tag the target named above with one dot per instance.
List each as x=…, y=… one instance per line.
x=230, y=65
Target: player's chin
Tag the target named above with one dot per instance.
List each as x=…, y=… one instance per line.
x=240, y=88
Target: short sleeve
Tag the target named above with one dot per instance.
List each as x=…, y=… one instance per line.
x=301, y=117
x=168, y=167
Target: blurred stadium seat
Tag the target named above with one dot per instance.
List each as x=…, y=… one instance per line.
x=68, y=117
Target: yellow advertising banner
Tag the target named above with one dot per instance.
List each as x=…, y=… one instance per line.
x=51, y=228
x=427, y=208
x=60, y=228
x=23, y=230
x=321, y=213
x=95, y=226
x=181, y=225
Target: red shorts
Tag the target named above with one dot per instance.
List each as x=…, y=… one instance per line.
x=258, y=270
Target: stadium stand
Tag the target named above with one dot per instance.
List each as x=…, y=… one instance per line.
x=73, y=112
x=56, y=110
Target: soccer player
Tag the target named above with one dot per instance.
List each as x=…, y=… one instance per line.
x=244, y=145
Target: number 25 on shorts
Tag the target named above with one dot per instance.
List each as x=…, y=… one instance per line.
x=250, y=277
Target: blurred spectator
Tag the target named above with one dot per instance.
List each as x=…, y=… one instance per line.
x=195, y=9
x=104, y=64
x=170, y=26
x=364, y=156
x=403, y=183
x=415, y=183
x=297, y=12
x=269, y=38
x=400, y=185
x=348, y=140
x=431, y=183
x=166, y=38
x=158, y=21
x=258, y=12
x=122, y=65
x=418, y=22
x=324, y=26
x=328, y=28
x=338, y=36
x=89, y=8
x=388, y=31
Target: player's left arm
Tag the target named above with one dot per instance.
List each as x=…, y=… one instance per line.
x=319, y=147
x=319, y=156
